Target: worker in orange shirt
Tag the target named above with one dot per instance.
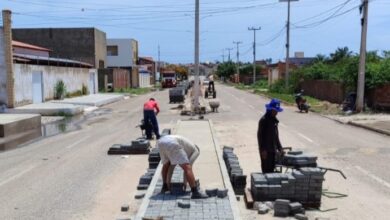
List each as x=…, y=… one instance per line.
x=151, y=110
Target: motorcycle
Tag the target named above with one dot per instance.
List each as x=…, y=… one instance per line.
x=301, y=103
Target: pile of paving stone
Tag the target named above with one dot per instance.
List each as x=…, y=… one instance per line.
x=303, y=185
x=139, y=146
x=185, y=85
x=237, y=178
x=177, y=95
x=284, y=208
x=298, y=159
x=154, y=158
x=146, y=179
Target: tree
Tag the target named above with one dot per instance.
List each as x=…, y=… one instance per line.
x=320, y=58
x=386, y=54
x=226, y=69
x=340, y=54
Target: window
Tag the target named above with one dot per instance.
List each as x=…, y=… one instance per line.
x=112, y=50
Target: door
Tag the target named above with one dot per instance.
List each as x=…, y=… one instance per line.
x=92, y=86
x=37, y=87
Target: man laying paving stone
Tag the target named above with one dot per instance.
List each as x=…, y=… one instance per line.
x=177, y=150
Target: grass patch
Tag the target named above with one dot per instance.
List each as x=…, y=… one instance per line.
x=134, y=91
x=316, y=105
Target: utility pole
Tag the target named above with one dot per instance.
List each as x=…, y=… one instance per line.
x=288, y=39
x=223, y=56
x=238, y=58
x=158, y=65
x=229, y=49
x=196, y=86
x=362, y=62
x=254, y=50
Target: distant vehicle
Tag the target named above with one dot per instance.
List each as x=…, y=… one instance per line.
x=168, y=79
x=206, y=82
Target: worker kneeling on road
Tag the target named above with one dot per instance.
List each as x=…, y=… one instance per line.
x=268, y=136
x=177, y=150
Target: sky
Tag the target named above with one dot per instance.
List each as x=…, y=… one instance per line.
x=317, y=26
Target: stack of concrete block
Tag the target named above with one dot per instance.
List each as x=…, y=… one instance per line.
x=298, y=159
x=177, y=181
x=154, y=158
x=139, y=146
x=272, y=186
x=185, y=85
x=309, y=185
x=176, y=95
x=237, y=178
x=303, y=185
x=146, y=179
x=284, y=208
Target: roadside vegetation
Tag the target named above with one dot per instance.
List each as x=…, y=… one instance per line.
x=340, y=66
x=133, y=91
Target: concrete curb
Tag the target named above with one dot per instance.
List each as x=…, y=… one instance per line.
x=369, y=128
x=225, y=176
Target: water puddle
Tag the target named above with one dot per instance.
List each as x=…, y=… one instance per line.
x=68, y=124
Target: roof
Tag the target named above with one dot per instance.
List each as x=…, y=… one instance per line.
x=147, y=58
x=28, y=46
x=54, y=61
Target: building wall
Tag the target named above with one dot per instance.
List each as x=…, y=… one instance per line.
x=100, y=49
x=72, y=43
x=73, y=78
x=125, y=56
x=3, y=71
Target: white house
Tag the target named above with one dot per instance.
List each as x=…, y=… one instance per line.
x=123, y=53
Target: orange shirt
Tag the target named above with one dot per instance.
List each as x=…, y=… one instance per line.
x=151, y=105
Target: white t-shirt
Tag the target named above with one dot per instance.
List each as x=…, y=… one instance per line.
x=175, y=149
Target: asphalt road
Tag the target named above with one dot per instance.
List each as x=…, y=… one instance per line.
x=65, y=176
x=70, y=176
x=361, y=154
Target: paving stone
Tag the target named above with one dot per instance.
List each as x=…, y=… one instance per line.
x=125, y=208
x=212, y=192
x=222, y=193
x=301, y=217
x=139, y=195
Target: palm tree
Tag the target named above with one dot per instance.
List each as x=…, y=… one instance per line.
x=340, y=54
x=320, y=58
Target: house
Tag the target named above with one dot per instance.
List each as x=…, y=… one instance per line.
x=277, y=71
x=123, y=54
x=28, y=73
x=300, y=60
x=86, y=45
x=150, y=65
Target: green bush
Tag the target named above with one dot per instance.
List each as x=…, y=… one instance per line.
x=59, y=90
x=84, y=90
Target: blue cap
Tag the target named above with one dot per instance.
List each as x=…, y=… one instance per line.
x=274, y=105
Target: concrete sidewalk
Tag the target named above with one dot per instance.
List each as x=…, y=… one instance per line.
x=211, y=172
x=375, y=122
x=71, y=106
x=92, y=100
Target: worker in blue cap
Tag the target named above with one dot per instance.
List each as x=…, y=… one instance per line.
x=268, y=136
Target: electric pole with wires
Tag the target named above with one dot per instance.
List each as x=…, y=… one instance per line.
x=254, y=50
x=288, y=39
x=238, y=58
x=362, y=62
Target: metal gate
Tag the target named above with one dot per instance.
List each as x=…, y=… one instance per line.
x=37, y=88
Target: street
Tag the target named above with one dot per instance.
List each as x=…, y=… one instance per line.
x=70, y=176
